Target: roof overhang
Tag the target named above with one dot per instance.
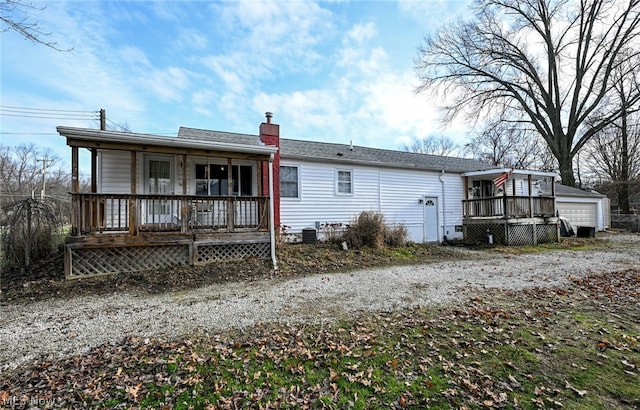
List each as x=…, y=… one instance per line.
x=491, y=173
x=113, y=140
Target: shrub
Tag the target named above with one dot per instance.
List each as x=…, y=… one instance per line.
x=31, y=231
x=397, y=236
x=368, y=229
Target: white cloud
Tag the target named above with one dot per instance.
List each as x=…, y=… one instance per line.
x=434, y=13
x=204, y=101
x=167, y=84
x=362, y=32
x=268, y=38
x=323, y=76
x=192, y=39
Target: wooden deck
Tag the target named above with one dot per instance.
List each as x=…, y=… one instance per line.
x=510, y=220
x=114, y=233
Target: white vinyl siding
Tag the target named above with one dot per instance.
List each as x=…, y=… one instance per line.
x=394, y=193
x=115, y=172
x=317, y=204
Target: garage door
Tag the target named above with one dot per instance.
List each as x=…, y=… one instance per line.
x=579, y=214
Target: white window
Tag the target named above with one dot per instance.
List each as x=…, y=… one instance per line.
x=289, y=182
x=344, y=183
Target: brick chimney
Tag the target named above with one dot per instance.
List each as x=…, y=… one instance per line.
x=270, y=135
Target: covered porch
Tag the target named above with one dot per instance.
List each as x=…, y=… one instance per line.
x=157, y=202
x=509, y=207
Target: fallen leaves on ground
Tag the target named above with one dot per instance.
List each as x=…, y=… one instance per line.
x=539, y=348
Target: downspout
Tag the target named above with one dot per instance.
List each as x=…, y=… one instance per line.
x=272, y=228
x=444, y=209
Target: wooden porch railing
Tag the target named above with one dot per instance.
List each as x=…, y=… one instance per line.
x=135, y=213
x=509, y=207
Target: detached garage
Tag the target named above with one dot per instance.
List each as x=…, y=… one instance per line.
x=583, y=208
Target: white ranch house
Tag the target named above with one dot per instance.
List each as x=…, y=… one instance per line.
x=208, y=195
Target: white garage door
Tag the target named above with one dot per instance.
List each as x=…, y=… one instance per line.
x=579, y=214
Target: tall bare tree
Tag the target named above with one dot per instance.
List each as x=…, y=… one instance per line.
x=613, y=155
x=504, y=145
x=17, y=15
x=545, y=64
x=433, y=145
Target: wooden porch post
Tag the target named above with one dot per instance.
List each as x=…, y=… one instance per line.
x=94, y=170
x=505, y=203
x=466, y=206
x=133, y=220
x=184, y=209
x=230, y=209
x=530, y=185
x=505, y=215
x=75, y=187
x=259, y=181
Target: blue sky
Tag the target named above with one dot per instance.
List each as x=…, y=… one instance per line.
x=335, y=71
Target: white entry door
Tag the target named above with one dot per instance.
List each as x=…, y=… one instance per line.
x=430, y=219
x=159, y=181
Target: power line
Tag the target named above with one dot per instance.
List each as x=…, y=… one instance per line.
x=12, y=108
x=55, y=114
x=28, y=133
x=46, y=113
x=49, y=117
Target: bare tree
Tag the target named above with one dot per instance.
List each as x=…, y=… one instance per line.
x=433, y=144
x=15, y=15
x=504, y=145
x=613, y=155
x=615, y=152
x=22, y=171
x=543, y=64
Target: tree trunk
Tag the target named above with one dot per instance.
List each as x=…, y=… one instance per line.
x=565, y=164
x=623, y=183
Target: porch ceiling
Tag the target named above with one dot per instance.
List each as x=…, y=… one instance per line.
x=125, y=141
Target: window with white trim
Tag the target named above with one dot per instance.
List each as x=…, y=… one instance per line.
x=344, y=182
x=289, y=182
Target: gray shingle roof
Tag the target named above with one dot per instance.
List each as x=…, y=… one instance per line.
x=343, y=153
x=218, y=136
x=565, y=190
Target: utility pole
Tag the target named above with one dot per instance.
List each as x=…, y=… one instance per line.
x=103, y=119
x=44, y=175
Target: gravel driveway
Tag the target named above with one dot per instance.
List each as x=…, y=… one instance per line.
x=57, y=328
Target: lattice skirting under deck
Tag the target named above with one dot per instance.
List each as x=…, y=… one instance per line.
x=211, y=252
x=513, y=235
x=99, y=261
x=547, y=233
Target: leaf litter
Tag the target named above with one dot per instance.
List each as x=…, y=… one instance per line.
x=535, y=348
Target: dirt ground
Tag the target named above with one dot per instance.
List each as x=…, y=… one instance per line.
x=45, y=278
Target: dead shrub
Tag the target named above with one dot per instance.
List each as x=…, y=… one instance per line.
x=31, y=231
x=368, y=229
x=397, y=236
